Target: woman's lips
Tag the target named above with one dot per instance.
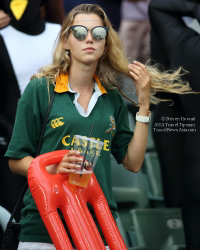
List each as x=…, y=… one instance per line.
x=89, y=49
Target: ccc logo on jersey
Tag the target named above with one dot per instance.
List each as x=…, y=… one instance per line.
x=57, y=122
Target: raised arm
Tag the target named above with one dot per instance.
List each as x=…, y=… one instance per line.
x=137, y=146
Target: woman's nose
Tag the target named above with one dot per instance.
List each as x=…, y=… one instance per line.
x=89, y=36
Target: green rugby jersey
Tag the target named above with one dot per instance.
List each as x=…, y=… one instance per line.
x=110, y=117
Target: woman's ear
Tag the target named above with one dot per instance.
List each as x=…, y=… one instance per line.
x=65, y=44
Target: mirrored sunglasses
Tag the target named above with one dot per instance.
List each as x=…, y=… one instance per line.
x=80, y=32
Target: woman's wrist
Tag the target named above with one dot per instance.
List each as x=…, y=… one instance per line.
x=143, y=110
x=52, y=168
x=143, y=115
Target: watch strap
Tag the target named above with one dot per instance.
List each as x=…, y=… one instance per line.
x=144, y=119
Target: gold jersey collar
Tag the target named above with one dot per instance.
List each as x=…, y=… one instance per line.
x=62, y=84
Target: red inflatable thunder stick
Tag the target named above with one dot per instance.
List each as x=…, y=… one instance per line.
x=53, y=191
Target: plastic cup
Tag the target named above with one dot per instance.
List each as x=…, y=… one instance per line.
x=93, y=148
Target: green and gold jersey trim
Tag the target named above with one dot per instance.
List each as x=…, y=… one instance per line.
x=62, y=84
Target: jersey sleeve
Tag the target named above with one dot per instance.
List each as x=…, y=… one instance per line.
x=25, y=134
x=28, y=121
x=123, y=133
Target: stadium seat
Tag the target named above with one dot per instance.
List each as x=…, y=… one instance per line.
x=157, y=229
x=151, y=144
x=127, y=186
x=151, y=177
x=152, y=168
x=131, y=121
x=128, y=193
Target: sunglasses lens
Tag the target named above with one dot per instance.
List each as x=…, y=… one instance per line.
x=99, y=33
x=80, y=32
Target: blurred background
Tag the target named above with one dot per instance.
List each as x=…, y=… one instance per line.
x=158, y=207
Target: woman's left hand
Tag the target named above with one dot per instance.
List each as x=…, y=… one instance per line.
x=141, y=81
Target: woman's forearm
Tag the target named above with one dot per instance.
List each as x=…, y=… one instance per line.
x=137, y=146
x=20, y=166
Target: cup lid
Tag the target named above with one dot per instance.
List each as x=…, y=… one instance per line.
x=89, y=139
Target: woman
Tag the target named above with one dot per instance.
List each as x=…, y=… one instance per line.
x=88, y=50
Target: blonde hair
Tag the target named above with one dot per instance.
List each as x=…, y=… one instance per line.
x=113, y=62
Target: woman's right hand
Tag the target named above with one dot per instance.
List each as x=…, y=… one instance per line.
x=68, y=164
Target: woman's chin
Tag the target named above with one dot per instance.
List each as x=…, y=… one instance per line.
x=90, y=60
x=87, y=59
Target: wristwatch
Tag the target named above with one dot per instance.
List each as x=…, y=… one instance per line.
x=144, y=119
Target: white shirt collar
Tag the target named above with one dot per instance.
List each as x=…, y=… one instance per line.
x=92, y=101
